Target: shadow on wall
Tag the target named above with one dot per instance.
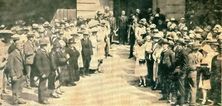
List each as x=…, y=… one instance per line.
x=31, y=10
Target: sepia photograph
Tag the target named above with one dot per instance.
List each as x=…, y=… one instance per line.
x=110, y=52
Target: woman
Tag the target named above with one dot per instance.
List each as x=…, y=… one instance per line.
x=101, y=45
x=140, y=65
x=157, y=50
x=73, y=66
x=58, y=65
x=77, y=38
x=204, y=84
x=94, y=61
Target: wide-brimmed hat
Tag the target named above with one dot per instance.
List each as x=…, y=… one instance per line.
x=35, y=26
x=74, y=34
x=143, y=21
x=43, y=42
x=155, y=30
x=86, y=33
x=198, y=36
x=198, y=30
x=181, y=41
x=172, y=19
x=196, y=46
x=165, y=41
x=152, y=26
x=46, y=24
x=41, y=30
x=71, y=41
x=30, y=34
x=103, y=22
x=15, y=37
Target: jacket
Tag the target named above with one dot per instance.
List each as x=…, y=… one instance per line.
x=29, y=51
x=87, y=47
x=15, y=64
x=42, y=62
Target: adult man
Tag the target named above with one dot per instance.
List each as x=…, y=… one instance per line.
x=87, y=52
x=167, y=61
x=3, y=61
x=131, y=33
x=123, y=28
x=194, y=59
x=181, y=56
x=29, y=52
x=138, y=15
x=216, y=75
x=43, y=68
x=16, y=67
x=113, y=27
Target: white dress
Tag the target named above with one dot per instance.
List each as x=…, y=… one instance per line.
x=94, y=60
x=79, y=48
x=101, y=43
x=140, y=69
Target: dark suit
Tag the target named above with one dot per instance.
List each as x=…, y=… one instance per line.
x=43, y=67
x=181, y=57
x=73, y=63
x=59, y=64
x=16, y=67
x=29, y=51
x=123, y=29
x=87, y=52
x=167, y=61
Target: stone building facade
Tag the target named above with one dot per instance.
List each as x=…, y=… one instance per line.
x=172, y=8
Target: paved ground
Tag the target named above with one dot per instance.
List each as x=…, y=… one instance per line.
x=114, y=87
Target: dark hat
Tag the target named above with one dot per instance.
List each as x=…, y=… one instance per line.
x=140, y=42
x=71, y=41
x=181, y=41
x=165, y=41
x=170, y=37
x=74, y=34
x=99, y=13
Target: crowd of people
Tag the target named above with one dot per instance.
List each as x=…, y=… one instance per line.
x=174, y=58
x=42, y=54
x=169, y=55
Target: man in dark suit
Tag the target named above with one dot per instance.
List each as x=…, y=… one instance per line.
x=167, y=61
x=123, y=38
x=29, y=52
x=43, y=68
x=87, y=52
x=16, y=67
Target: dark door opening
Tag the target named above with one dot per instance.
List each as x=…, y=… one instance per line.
x=131, y=5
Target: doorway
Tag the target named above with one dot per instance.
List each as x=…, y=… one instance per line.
x=131, y=5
